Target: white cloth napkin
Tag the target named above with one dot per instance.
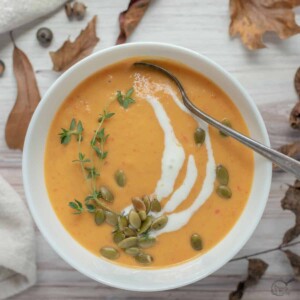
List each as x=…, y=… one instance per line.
x=14, y=13
x=17, y=243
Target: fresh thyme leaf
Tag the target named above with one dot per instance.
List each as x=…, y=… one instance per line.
x=81, y=158
x=73, y=124
x=125, y=100
x=77, y=206
x=90, y=208
x=66, y=134
x=91, y=172
x=106, y=115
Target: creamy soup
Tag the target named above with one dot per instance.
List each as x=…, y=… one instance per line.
x=134, y=177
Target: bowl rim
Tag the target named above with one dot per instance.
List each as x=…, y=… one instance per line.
x=25, y=167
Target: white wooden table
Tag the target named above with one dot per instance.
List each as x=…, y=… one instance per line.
x=202, y=26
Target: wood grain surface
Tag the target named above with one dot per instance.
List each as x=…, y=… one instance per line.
x=202, y=26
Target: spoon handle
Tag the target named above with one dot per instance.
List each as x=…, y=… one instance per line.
x=283, y=161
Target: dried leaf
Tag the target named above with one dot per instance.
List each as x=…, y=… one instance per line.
x=297, y=82
x=252, y=18
x=256, y=269
x=130, y=18
x=28, y=97
x=294, y=261
x=291, y=201
x=72, y=52
x=291, y=150
x=295, y=116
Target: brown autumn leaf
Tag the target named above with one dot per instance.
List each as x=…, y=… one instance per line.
x=130, y=18
x=291, y=201
x=72, y=52
x=291, y=150
x=252, y=18
x=294, y=261
x=256, y=269
x=28, y=97
x=297, y=82
x=295, y=116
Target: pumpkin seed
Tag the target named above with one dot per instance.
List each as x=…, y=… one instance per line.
x=224, y=191
x=120, y=178
x=196, y=242
x=134, y=219
x=129, y=232
x=199, y=136
x=146, y=242
x=138, y=204
x=122, y=222
x=133, y=251
x=222, y=175
x=106, y=194
x=146, y=200
x=128, y=242
x=227, y=123
x=109, y=252
x=111, y=218
x=155, y=205
x=99, y=216
x=159, y=223
x=145, y=225
x=142, y=215
x=144, y=258
x=118, y=237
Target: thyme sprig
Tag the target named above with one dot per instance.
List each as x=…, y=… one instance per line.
x=125, y=100
x=75, y=129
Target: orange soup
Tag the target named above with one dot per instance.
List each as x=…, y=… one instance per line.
x=134, y=177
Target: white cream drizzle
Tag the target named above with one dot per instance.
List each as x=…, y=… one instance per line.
x=173, y=155
x=173, y=159
x=184, y=190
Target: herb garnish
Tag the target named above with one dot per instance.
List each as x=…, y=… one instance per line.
x=125, y=100
x=75, y=129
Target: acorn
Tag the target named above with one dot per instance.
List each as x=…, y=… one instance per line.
x=44, y=36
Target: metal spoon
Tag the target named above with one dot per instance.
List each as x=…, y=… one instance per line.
x=283, y=161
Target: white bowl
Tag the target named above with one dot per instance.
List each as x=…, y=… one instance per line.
x=80, y=258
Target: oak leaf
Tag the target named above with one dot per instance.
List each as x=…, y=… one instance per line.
x=28, y=97
x=294, y=261
x=252, y=18
x=72, y=52
x=295, y=116
x=291, y=201
x=130, y=18
x=291, y=150
x=256, y=269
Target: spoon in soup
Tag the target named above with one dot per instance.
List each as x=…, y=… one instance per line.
x=284, y=162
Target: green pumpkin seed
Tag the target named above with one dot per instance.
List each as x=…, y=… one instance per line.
x=99, y=216
x=138, y=204
x=106, y=194
x=111, y=218
x=134, y=219
x=224, y=191
x=159, y=223
x=133, y=251
x=144, y=258
x=146, y=242
x=128, y=242
x=118, y=237
x=129, y=232
x=142, y=215
x=222, y=175
x=196, y=242
x=120, y=178
x=227, y=123
x=155, y=205
x=109, y=252
x=146, y=200
x=199, y=136
x=122, y=222
x=145, y=225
